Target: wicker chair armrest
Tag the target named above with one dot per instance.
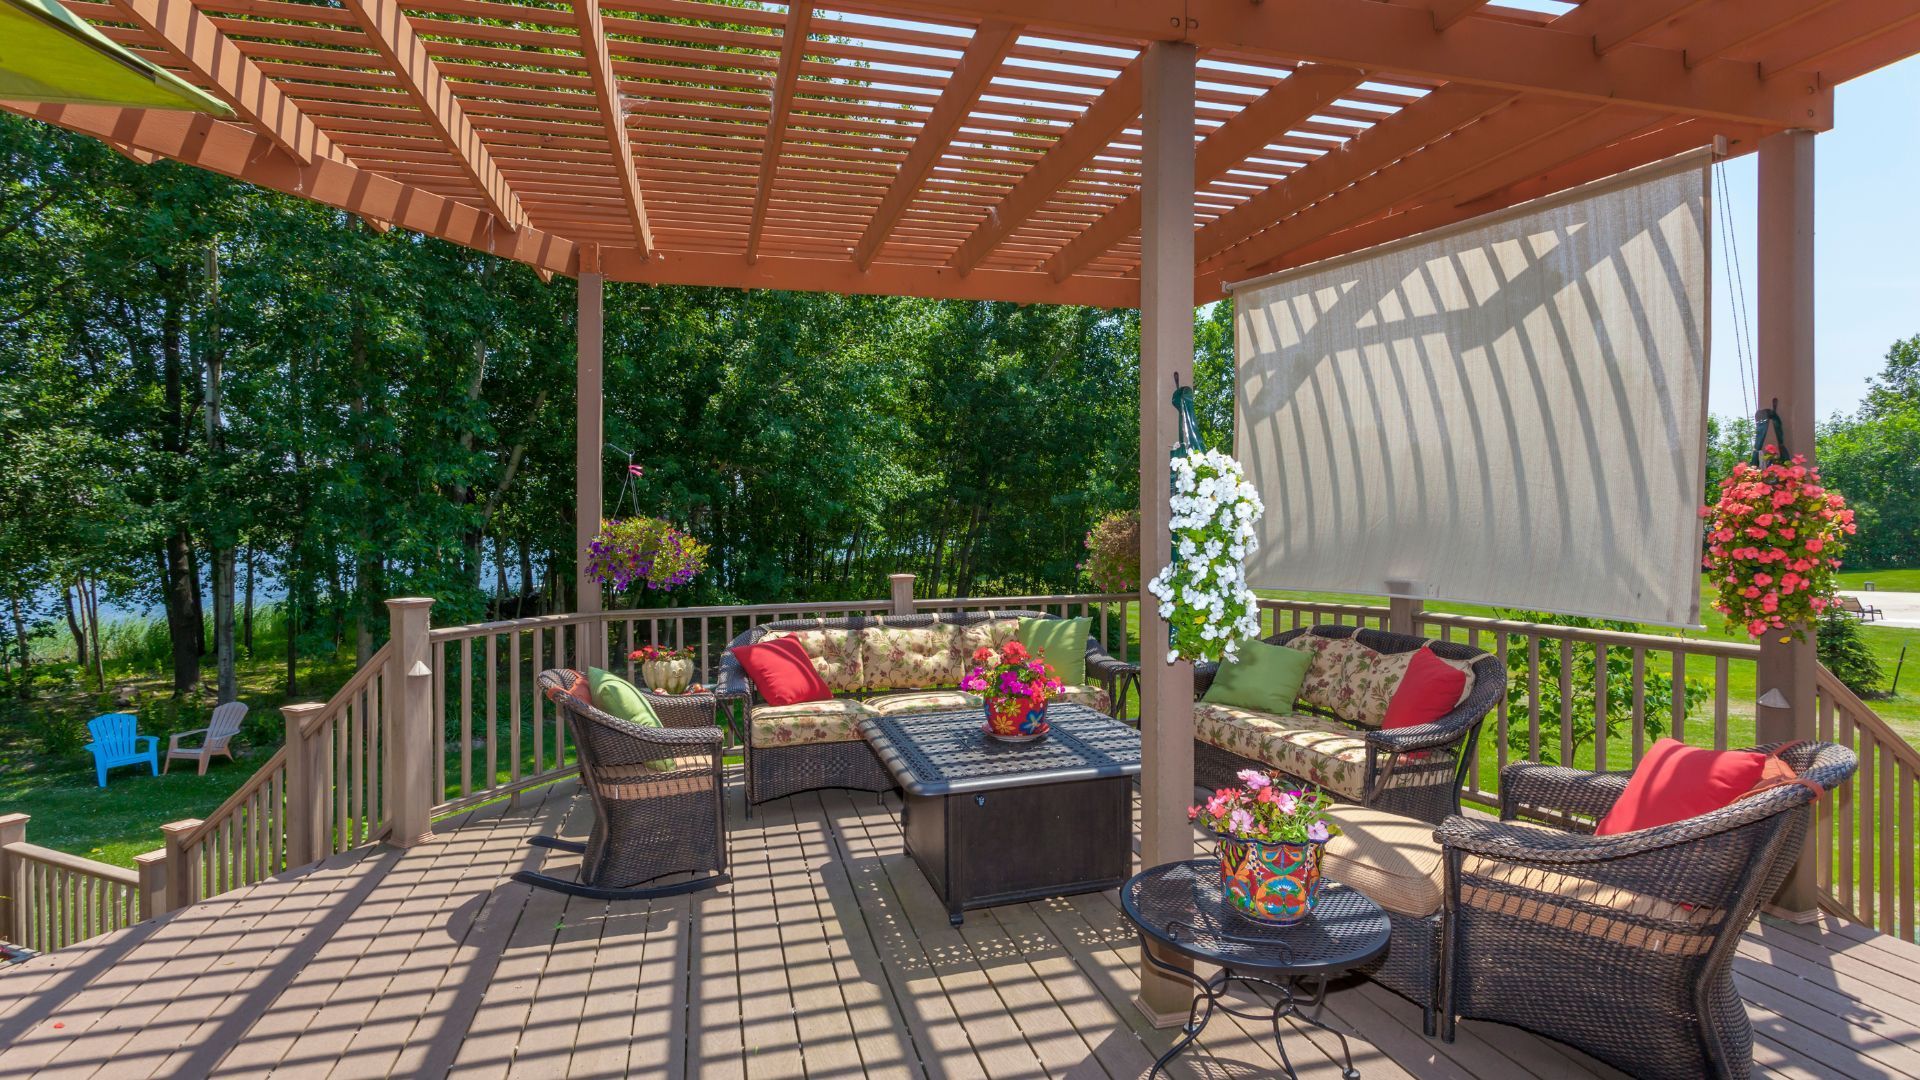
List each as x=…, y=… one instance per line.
x=1557, y=789
x=681, y=739
x=1107, y=667
x=683, y=710
x=733, y=682
x=1540, y=845
x=1449, y=730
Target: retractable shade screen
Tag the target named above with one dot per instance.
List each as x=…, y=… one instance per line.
x=47, y=54
x=1510, y=411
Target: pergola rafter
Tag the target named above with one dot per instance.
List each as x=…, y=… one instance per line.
x=392, y=35
x=981, y=148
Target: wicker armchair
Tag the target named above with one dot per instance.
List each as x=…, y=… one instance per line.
x=1414, y=771
x=775, y=772
x=658, y=805
x=1620, y=945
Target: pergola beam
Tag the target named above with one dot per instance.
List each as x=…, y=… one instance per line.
x=982, y=56
x=392, y=34
x=1430, y=118
x=835, y=275
x=1478, y=50
x=1296, y=97
x=613, y=116
x=793, y=49
x=1105, y=118
x=233, y=150
x=193, y=39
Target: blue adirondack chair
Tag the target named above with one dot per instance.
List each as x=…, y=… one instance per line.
x=117, y=741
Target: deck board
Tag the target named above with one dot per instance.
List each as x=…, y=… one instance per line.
x=827, y=956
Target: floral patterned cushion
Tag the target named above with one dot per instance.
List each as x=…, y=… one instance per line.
x=1326, y=686
x=924, y=701
x=992, y=633
x=901, y=657
x=1322, y=752
x=809, y=722
x=1093, y=697
x=1372, y=677
x=835, y=654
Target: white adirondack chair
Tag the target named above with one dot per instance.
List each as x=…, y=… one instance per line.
x=225, y=725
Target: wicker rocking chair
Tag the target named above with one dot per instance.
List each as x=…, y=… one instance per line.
x=1620, y=945
x=657, y=798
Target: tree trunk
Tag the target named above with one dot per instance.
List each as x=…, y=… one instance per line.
x=176, y=568
x=526, y=580
x=73, y=625
x=90, y=596
x=246, y=614
x=223, y=554
x=25, y=688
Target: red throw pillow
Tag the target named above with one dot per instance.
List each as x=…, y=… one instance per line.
x=1675, y=782
x=781, y=672
x=1429, y=690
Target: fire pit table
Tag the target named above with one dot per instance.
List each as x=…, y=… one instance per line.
x=993, y=822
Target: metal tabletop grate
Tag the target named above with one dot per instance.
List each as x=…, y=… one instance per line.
x=947, y=752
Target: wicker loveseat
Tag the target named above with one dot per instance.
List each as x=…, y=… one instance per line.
x=1621, y=945
x=877, y=665
x=1333, y=739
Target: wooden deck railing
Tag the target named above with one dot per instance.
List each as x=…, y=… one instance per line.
x=1864, y=837
x=50, y=899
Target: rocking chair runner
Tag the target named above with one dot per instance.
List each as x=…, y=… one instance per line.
x=216, y=735
x=657, y=799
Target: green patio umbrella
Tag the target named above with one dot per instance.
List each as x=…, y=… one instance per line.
x=49, y=54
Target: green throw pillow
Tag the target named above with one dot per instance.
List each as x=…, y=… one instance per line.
x=616, y=696
x=1266, y=677
x=1064, y=641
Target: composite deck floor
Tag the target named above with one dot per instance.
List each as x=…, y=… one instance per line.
x=827, y=956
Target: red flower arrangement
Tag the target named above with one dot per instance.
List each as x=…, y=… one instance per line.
x=650, y=653
x=1774, y=541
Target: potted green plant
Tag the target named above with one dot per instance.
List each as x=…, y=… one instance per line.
x=1270, y=839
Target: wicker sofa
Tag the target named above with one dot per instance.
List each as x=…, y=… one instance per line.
x=1333, y=739
x=877, y=665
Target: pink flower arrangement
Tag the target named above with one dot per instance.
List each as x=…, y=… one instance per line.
x=651, y=653
x=1774, y=541
x=1011, y=674
x=1262, y=810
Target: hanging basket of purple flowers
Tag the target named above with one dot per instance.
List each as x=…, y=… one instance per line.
x=643, y=552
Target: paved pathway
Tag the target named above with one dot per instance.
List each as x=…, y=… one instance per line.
x=1902, y=609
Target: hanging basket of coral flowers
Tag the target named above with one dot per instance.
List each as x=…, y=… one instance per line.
x=1774, y=541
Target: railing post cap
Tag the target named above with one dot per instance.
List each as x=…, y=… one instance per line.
x=410, y=602
x=181, y=826
x=14, y=819
x=900, y=577
x=301, y=708
x=148, y=858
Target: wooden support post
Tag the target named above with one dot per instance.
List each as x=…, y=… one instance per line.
x=152, y=868
x=1786, y=375
x=180, y=869
x=13, y=830
x=902, y=593
x=1166, y=354
x=307, y=838
x=1403, y=614
x=589, y=437
x=413, y=781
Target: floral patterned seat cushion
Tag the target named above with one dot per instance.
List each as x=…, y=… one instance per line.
x=1355, y=682
x=807, y=723
x=835, y=653
x=1093, y=697
x=1319, y=751
x=908, y=657
x=923, y=701
x=1326, y=685
x=992, y=633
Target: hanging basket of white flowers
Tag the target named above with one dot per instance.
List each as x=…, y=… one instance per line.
x=1203, y=590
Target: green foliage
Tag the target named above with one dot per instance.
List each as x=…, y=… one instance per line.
x=1658, y=692
x=1113, y=552
x=1844, y=650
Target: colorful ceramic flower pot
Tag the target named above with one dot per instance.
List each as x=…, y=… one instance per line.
x=667, y=676
x=1270, y=883
x=1011, y=718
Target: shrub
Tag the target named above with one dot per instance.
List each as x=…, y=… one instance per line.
x=1656, y=699
x=1845, y=653
x=1113, y=552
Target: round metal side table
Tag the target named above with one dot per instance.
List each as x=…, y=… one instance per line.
x=1179, y=907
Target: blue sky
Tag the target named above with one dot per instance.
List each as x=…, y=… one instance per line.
x=1866, y=237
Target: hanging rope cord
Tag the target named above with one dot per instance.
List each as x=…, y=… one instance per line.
x=1744, y=358
x=626, y=483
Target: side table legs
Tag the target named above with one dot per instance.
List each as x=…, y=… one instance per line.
x=1286, y=1003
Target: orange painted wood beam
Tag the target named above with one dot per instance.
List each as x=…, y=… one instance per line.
x=793, y=50
x=1835, y=33
x=1481, y=51
x=1395, y=137
x=197, y=44
x=237, y=151
x=393, y=36
x=1297, y=97
x=1104, y=119
x=1614, y=23
x=839, y=275
x=982, y=57
x=1447, y=12
x=1713, y=34
x=613, y=117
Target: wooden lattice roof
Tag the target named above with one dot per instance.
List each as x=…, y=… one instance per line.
x=959, y=148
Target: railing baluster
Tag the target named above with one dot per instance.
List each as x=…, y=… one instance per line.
x=493, y=712
x=1823, y=808
x=1500, y=709
x=1849, y=828
x=1602, y=714
x=466, y=716
x=1677, y=705
x=1865, y=780
x=1533, y=697
x=1889, y=877
x=513, y=711
x=1639, y=703
x=1566, y=702
x=440, y=713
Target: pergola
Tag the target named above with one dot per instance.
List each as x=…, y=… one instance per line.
x=1116, y=153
